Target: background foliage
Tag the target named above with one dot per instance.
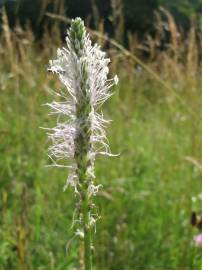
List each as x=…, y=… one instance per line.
x=150, y=189
x=138, y=15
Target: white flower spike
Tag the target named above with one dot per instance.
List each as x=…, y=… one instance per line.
x=83, y=69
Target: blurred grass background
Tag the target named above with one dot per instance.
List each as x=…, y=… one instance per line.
x=149, y=190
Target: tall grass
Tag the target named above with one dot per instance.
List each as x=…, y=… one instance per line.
x=147, y=197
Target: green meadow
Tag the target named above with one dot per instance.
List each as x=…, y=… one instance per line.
x=149, y=189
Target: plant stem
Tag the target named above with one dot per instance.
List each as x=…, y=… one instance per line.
x=87, y=235
x=87, y=232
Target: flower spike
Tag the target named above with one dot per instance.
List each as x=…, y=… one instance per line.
x=83, y=69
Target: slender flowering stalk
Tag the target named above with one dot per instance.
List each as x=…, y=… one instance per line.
x=83, y=70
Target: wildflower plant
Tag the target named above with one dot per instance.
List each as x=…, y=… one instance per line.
x=83, y=69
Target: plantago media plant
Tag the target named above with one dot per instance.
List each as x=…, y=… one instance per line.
x=79, y=134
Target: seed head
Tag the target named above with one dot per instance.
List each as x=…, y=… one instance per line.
x=83, y=69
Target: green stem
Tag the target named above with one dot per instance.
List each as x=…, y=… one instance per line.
x=87, y=235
